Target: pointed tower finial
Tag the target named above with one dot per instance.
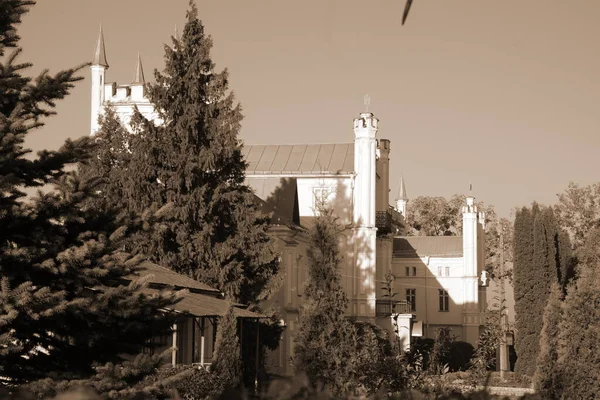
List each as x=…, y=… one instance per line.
x=100, y=53
x=402, y=190
x=176, y=33
x=139, y=71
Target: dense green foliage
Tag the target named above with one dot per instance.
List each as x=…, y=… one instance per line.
x=547, y=378
x=65, y=302
x=344, y=356
x=226, y=362
x=578, y=211
x=542, y=257
x=191, y=167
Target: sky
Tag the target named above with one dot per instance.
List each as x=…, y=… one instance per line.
x=503, y=95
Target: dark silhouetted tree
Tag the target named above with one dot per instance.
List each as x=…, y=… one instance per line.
x=65, y=304
x=212, y=229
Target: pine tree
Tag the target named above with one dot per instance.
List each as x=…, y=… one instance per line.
x=64, y=302
x=213, y=231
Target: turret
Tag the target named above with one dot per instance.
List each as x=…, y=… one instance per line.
x=365, y=147
x=402, y=198
x=365, y=232
x=98, y=67
x=137, y=86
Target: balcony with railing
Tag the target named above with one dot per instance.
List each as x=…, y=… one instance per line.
x=384, y=308
x=389, y=221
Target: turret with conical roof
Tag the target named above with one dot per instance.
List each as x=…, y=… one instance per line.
x=100, y=53
x=139, y=72
x=98, y=67
x=402, y=198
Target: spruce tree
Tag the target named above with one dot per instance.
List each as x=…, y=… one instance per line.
x=214, y=231
x=65, y=304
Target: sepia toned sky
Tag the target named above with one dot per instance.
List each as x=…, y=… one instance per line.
x=501, y=94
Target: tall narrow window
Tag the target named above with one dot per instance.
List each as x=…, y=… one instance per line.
x=414, y=271
x=407, y=270
x=447, y=271
x=444, y=300
x=411, y=298
x=439, y=271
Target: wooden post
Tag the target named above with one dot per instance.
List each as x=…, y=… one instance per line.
x=202, y=342
x=503, y=348
x=256, y=356
x=174, y=347
x=193, y=338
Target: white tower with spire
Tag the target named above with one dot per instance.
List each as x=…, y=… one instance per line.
x=365, y=232
x=123, y=98
x=402, y=198
x=98, y=67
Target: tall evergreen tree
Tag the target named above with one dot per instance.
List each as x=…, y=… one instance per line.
x=578, y=334
x=543, y=260
x=524, y=280
x=325, y=340
x=64, y=305
x=213, y=230
x=548, y=378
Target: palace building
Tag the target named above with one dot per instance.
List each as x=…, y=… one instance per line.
x=440, y=281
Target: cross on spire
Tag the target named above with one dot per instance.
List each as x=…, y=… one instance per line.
x=367, y=102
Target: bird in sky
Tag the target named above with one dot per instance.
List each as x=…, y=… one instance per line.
x=406, y=10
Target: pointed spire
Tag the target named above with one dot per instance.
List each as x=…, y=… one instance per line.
x=176, y=33
x=139, y=71
x=100, y=53
x=402, y=191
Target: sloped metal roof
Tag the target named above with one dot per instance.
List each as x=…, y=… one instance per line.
x=165, y=276
x=203, y=305
x=433, y=246
x=298, y=159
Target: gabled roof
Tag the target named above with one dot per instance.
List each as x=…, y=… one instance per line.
x=165, y=276
x=300, y=159
x=202, y=305
x=432, y=246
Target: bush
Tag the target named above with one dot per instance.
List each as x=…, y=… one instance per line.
x=459, y=356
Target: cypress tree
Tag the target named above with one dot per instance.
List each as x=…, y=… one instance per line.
x=64, y=305
x=524, y=281
x=325, y=342
x=548, y=378
x=213, y=230
x=537, y=267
